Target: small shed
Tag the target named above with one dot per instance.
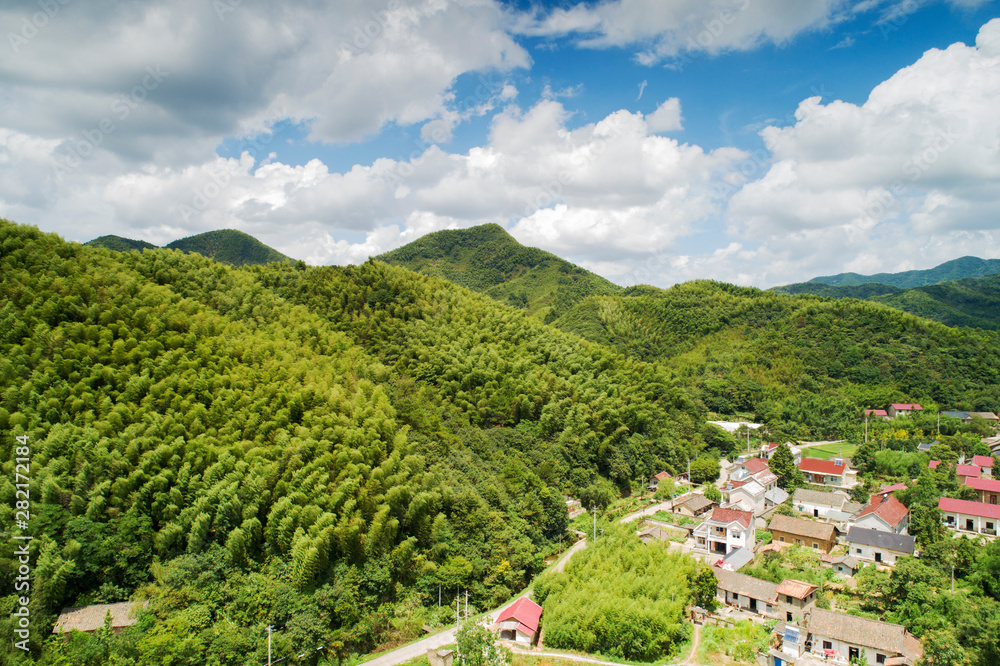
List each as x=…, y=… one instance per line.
x=519, y=623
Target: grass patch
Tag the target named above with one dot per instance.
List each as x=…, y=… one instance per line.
x=738, y=643
x=827, y=451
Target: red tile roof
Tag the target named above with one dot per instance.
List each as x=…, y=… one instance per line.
x=968, y=470
x=934, y=463
x=819, y=466
x=989, y=485
x=877, y=412
x=663, y=475
x=982, y=461
x=727, y=516
x=755, y=465
x=796, y=588
x=969, y=508
x=889, y=509
x=907, y=407
x=892, y=489
x=524, y=611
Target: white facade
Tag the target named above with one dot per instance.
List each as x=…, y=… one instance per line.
x=875, y=554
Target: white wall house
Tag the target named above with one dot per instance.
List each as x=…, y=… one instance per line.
x=966, y=516
x=724, y=531
x=840, y=637
x=878, y=546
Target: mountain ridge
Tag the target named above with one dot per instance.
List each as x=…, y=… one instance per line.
x=229, y=246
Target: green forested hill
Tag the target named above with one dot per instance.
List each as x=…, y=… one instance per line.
x=488, y=260
x=317, y=449
x=804, y=365
x=956, y=269
x=120, y=244
x=973, y=302
x=230, y=247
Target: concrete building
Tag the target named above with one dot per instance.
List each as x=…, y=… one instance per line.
x=884, y=513
x=966, y=516
x=878, y=546
x=724, y=531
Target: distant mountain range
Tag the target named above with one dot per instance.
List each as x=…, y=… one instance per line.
x=228, y=246
x=963, y=292
x=957, y=269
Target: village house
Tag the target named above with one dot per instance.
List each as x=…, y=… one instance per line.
x=966, y=516
x=789, y=600
x=888, y=490
x=89, y=619
x=746, y=592
x=988, y=489
x=884, y=513
x=724, y=531
x=985, y=463
x=692, y=505
x=807, y=533
x=877, y=413
x=767, y=451
x=843, y=565
x=834, y=473
x=898, y=409
x=795, y=598
x=878, y=546
x=654, y=483
x=747, y=468
x=842, y=637
x=519, y=623
x=774, y=497
x=744, y=495
x=964, y=417
x=817, y=503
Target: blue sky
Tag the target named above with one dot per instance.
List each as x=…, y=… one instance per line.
x=758, y=142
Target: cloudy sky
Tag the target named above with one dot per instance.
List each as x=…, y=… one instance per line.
x=759, y=142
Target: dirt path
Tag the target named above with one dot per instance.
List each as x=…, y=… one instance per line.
x=692, y=658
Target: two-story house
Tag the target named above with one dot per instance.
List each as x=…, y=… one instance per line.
x=834, y=473
x=988, y=489
x=724, y=531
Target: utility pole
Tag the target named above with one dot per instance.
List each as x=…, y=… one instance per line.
x=866, y=427
x=466, y=604
x=953, y=579
x=269, y=645
x=439, y=595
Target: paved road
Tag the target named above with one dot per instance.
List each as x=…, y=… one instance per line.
x=413, y=650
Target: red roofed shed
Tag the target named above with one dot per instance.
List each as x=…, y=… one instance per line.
x=520, y=621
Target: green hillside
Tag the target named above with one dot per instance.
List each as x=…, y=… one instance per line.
x=804, y=365
x=230, y=247
x=973, y=302
x=120, y=244
x=315, y=449
x=957, y=269
x=487, y=259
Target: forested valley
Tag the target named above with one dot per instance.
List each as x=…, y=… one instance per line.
x=322, y=450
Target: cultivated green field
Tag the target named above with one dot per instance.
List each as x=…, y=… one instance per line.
x=827, y=451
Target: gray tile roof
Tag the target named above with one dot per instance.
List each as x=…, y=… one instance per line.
x=747, y=586
x=901, y=543
x=776, y=495
x=818, y=497
x=860, y=631
x=738, y=558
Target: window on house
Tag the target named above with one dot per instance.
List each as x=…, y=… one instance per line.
x=815, y=513
x=782, y=539
x=788, y=616
x=879, y=658
x=827, y=645
x=859, y=551
x=815, y=545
